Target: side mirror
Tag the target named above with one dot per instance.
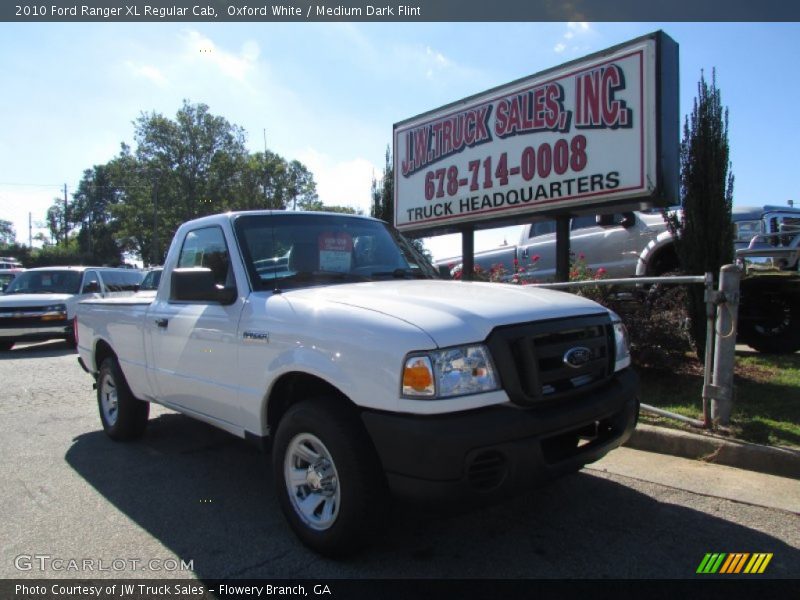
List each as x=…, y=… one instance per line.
x=93, y=287
x=606, y=220
x=197, y=285
x=628, y=220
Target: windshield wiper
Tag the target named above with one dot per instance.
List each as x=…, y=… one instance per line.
x=400, y=273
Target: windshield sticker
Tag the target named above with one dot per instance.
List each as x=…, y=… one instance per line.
x=335, y=251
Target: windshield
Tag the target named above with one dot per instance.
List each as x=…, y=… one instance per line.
x=46, y=282
x=299, y=249
x=5, y=279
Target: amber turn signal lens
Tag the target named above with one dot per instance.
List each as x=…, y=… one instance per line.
x=417, y=376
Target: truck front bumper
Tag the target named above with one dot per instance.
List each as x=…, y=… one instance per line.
x=496, y=451
x=30, y=330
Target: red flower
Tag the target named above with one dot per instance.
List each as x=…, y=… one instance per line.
x=535, y=258
x=601, y=271
x=581, y=256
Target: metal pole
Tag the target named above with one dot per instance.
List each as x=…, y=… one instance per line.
x=725, y=345
x=562, y=247
x=709, y=355
x=66, y=225
x=467, y=253
x=156, y=259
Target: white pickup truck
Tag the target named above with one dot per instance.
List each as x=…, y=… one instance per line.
x=329, y=336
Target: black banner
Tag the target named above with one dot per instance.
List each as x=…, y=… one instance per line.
x=706, y=587
x=403, y=11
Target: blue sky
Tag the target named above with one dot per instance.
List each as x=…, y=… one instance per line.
x=328, y=94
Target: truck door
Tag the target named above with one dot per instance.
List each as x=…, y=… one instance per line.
x=193, y=344
x=537, y=254
x=605, y=241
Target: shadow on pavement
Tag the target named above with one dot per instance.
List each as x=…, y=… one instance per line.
x=208, y=497
x=50, y=349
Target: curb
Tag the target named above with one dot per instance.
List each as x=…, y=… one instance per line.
x=711, y=448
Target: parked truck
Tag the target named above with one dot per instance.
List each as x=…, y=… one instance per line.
x=330, y=339
x=638, y=244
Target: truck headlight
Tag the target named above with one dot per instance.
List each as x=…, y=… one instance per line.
x=450, y=372
x=622, y=351
x=54, y=312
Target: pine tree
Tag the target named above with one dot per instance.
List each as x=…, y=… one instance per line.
x=704, y=230
x=383, y=192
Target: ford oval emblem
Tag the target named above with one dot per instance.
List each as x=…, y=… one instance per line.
x=577, y=357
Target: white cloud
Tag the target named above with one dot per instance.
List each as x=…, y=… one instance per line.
x=570, y=37
x=236, y=66
x=579, y=26
x=149, y=72
x=341, y=183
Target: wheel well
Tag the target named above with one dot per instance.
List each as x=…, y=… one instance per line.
x=101, y=352
x=664, y=261
x=294, y=387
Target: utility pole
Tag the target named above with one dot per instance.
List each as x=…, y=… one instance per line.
x=30, y=231
x=156, y=257
x=66, y=223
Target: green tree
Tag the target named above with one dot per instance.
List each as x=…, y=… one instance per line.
x=383, y=201
x=300, y=185
x=197, y=160
x=8, y=235
x=55, y=222
x=704, y=231
x=91, y=208
x=383, y=192
x=138, y=213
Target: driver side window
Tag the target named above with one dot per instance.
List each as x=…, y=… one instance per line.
x=207, y=248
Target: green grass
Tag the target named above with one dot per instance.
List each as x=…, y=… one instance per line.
x=766, y=405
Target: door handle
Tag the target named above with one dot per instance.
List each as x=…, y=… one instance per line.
x=162, y=323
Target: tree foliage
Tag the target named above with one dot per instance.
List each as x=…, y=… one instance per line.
x=383, y=201
x=383, y=192
x=8, y=235
x=704, y=231
x=183, y=168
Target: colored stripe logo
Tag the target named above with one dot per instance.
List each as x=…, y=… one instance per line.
x=734, y=563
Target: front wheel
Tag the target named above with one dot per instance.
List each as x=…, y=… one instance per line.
x=773, y=327
x=124, y=416
x=327, y=476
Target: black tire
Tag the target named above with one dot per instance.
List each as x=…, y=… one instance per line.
x=343, y=486
x=71, y=341
x=6, y=345
x=124, y=416
x=776, y=328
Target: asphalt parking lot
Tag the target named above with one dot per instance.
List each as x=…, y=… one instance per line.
x=189, y=495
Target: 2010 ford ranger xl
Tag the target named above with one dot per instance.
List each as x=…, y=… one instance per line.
x=332, y=337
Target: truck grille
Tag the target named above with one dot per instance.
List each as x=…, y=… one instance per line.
x=553, y=360
x=782, y=227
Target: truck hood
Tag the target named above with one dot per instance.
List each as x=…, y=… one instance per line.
x=27, y=300
x=450, y=312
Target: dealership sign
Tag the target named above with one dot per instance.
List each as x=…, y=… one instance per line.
x=595, y=134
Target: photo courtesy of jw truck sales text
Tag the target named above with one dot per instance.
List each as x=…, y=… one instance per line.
x=589, y=133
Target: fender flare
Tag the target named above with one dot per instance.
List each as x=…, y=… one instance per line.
x=662, y=240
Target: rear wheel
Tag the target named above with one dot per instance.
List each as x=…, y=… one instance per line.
x=327, y=476
x=124, y=417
